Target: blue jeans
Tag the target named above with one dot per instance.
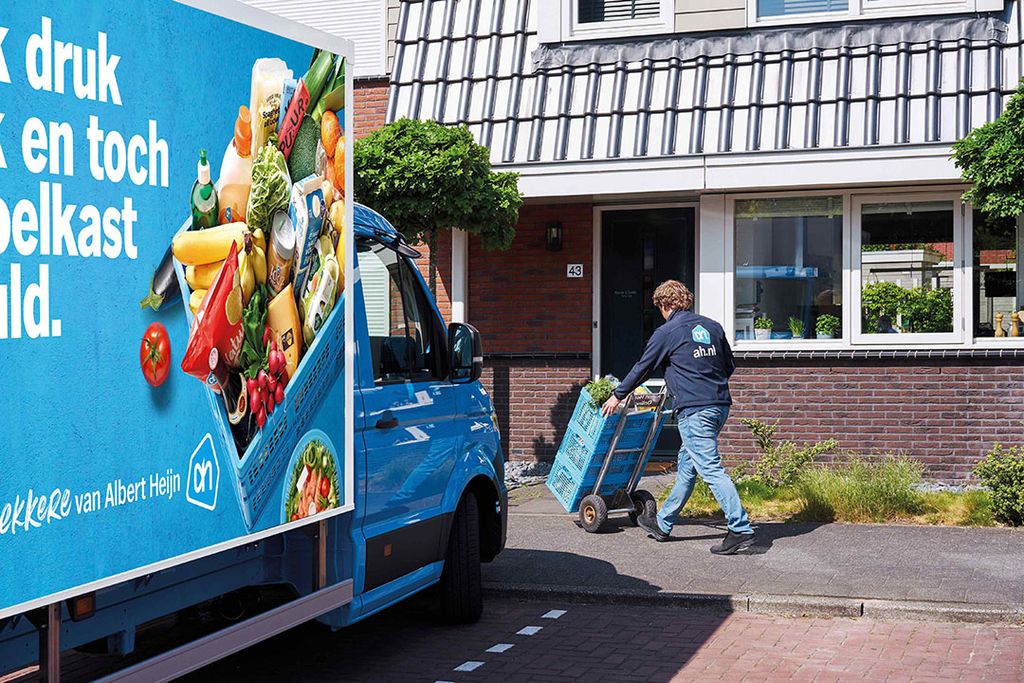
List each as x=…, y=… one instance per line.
x=699, y=428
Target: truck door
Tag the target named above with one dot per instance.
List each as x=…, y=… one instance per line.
x=408, y=417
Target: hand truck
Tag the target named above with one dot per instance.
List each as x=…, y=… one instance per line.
x=595, y=507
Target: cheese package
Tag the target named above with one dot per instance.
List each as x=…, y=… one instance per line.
x=283, y=319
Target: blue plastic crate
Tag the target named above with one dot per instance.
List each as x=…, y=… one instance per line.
x=258, y=471
x=582, y=452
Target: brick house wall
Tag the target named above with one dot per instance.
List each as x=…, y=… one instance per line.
x=536, y=326
x=945, y=414
x=370, y=100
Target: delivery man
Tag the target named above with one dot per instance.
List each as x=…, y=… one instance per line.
x=698, y=362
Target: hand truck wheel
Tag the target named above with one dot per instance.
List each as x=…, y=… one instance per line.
x=593, y=513
x=644, y=505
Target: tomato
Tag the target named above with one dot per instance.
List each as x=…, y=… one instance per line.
x=325, y=487
x=155, y=354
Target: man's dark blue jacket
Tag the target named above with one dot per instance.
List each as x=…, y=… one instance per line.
x=697, y=360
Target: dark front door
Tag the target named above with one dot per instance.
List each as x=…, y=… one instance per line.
x=640, y=249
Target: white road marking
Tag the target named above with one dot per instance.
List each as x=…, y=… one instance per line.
x=528, y=630
x=500, y=647
x=469, y=666
x=554, y=614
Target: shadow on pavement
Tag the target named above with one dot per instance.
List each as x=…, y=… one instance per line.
x=713, y=530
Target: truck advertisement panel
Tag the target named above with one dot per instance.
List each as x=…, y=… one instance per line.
x=174, y=195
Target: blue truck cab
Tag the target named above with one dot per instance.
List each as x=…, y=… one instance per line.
x=430, y=501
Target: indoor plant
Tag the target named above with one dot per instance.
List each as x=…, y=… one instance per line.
x=827, y=326
x=796, y=326
x=763, y=327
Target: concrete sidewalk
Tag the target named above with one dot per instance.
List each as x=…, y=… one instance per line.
x=825, y=569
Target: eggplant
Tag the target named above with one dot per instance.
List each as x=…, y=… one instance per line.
x=164, y=286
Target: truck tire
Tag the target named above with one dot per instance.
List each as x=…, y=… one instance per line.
x=462, y=599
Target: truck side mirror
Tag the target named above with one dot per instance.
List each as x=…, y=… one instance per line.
x=465, y=353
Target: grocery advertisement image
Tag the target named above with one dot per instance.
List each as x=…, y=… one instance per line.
x=175, y=213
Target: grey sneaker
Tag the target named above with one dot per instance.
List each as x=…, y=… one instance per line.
x=651, y=526
x=733, y=543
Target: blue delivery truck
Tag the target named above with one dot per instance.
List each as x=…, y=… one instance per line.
x=286, y=411
x=430, y=494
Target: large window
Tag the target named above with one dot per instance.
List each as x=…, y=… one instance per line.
x=893, y=269
x=907, y=274
x=998, y=278
x=789, y=268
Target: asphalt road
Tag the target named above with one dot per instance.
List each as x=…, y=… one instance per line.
x=540, y=641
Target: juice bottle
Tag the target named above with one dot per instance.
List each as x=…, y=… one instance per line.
x=236, y=171
x=204, y=197
x=268, y=77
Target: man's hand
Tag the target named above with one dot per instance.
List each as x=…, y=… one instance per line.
x=610, y=406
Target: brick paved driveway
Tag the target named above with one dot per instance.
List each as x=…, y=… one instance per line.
x=597, y=643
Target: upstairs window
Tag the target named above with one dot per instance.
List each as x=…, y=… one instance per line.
x=785, y=12
x=780, y=8
x=597, y=11
x=569, y=20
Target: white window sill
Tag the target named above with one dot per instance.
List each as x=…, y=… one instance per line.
x=840, y=345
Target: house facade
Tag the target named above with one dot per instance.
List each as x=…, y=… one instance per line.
x=787, y=159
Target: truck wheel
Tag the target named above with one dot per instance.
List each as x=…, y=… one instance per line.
x=644, y=505
x=462, y=599
x=593, y=513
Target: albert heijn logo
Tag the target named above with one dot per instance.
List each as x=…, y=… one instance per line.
x=701, y=335
x=203, y=475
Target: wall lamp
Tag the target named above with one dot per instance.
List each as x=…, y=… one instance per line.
x=553, y=233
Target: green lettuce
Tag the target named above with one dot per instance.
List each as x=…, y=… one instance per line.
x=271, y=187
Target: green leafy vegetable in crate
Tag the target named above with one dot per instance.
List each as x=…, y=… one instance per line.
x=600, y=390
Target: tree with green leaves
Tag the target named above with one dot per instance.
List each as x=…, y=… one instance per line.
x=427, y=178
x=991, y=158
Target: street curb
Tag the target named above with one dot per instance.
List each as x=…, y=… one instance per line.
x=781, y=605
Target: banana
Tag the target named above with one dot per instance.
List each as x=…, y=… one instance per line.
x=202, y=276
x=259, y=239
x=246, y=276
x=196, y=300
x=259, y=262
x=197, y=247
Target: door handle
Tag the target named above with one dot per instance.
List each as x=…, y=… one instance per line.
x=388, y=422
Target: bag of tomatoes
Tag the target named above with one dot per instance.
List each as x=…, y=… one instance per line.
x=155, y=354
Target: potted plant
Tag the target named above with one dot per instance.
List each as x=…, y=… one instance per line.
x=827, y=326
x=763, y=328
x=796, y=327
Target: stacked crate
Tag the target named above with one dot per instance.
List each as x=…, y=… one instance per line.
x=583, y=451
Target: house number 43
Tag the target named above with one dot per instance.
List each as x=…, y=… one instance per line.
x=574, y=270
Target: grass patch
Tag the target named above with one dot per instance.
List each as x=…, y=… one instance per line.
x=861, y=492
x=858, y=491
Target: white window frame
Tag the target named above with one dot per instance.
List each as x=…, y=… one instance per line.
x=730, y=288
x=852, y=338
x=868, y=9
x=557, y=23
x=911, y=339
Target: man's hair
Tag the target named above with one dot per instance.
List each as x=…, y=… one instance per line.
x=674, y=295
